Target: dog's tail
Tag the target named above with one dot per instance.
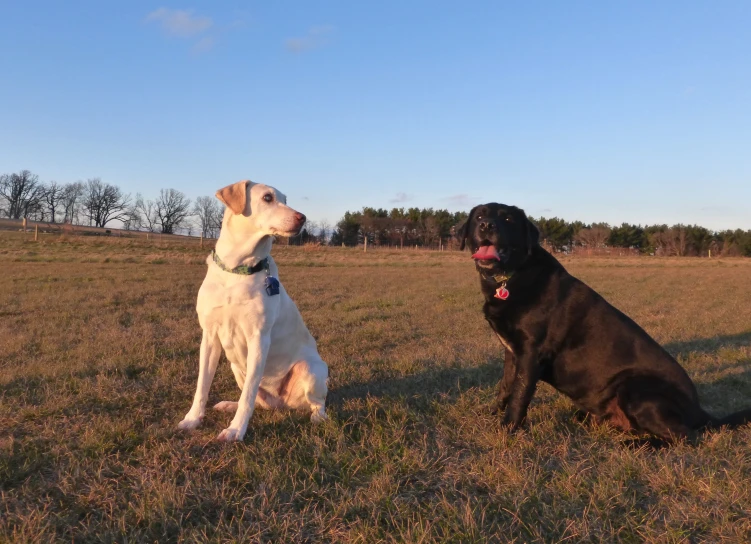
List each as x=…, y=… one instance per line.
x=731, y=421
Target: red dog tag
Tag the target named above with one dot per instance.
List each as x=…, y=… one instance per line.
x=501, y=293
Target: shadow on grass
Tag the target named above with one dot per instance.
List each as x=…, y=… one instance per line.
x=421, y=388
x=449, y=381
x=425, y=385
x=709, y=345
x=728, y=394
x=727, y=385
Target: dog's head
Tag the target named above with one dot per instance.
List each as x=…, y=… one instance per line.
x=500, y=237
x=257, y=208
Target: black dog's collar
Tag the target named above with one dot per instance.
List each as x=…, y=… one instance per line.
x=500, y=279
x=243, y=270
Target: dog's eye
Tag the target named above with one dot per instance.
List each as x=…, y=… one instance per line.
x=268, y=197
x=508, y=219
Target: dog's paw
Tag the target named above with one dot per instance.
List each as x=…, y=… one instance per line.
x=230, y=435
x=497, y=407
x=226, y=406
x=318, y=416
x=510, y=428
x=189, y=423
x=509, y=423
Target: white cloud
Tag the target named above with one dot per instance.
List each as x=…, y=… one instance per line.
x=203, y=45
x=180, y=22
x=401, y=197
x=240, y=19
x=460, y=200
x=317, y=36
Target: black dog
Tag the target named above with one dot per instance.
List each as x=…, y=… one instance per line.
x=558, y=330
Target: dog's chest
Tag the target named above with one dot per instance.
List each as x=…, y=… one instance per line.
x=499, y=322
x=506, y=343
x=238, y=300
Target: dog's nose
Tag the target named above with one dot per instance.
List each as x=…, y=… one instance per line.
x=300, y=218
x=486, y=225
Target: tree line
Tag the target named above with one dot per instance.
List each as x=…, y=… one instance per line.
x=98, y=204
x=427, y=227
x=661, y=239
x=398, y=227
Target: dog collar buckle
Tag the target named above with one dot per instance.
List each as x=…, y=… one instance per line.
x=501, y=278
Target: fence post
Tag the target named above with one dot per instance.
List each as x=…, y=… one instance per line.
x=36, y=232
x=202, y=240
x=366, y=244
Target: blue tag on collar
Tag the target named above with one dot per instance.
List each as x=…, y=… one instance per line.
x=272, y=286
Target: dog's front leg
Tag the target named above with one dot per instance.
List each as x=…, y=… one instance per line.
x=258, y=350
x=211, y=349
x=506, y=383
x=522, y=389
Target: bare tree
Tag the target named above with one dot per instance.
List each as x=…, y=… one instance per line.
x=172, y=208
x=22, y=192
x=311, y=227
x=662, y=241
x=145, y=211
x=104, y=202
x=209, y=212
x=52, y=197
x=36, y=210
x=681, y=240
x=131, y=219
x=431, y=230
x=324, y=231
x=370, y=228
x=400, y=229
x=70, y=200
x=593, y=237
x=671, y=242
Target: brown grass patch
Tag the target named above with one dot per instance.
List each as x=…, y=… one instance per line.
x=99, y=344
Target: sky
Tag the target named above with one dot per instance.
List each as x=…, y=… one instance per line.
x=623, y=111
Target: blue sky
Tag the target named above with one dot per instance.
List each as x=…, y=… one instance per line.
x=599, y=111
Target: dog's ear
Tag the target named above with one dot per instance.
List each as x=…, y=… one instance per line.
x=462, y=231
x=532, y=233
x=235, y=196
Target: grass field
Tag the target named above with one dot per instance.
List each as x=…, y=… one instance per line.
x=98, y=358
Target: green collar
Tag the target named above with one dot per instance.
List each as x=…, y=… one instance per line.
x=243, y=269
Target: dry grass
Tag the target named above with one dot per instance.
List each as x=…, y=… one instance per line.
x=99, y=344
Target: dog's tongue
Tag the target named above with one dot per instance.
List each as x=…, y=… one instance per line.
x=486, y=252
